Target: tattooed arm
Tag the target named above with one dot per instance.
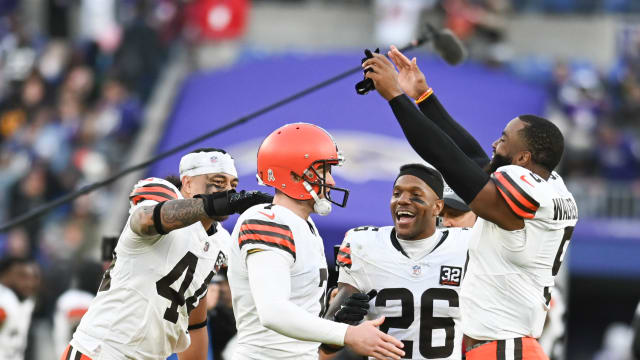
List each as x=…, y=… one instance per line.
x=174, y=214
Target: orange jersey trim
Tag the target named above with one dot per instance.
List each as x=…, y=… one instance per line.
x=258, y=238
x=344, y=260
x=138, y=198
x=515, y=208
x=65, y=354
x=516, y=193
x=257, y=227
x=76, y=313
x=523, y=349
x=253, y=231
x=345, y=249
x=160, y=189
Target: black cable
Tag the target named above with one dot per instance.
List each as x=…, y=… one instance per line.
x=88, y=188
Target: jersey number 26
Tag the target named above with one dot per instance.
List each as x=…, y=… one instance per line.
x=428, y=322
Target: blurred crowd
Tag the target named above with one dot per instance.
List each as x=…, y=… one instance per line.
x=598, y=108
x=70, y=107
x=71, y=103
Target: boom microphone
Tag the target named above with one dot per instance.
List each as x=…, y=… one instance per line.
x=446, y=44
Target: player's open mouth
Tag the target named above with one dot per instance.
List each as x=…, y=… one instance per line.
x=404, y=216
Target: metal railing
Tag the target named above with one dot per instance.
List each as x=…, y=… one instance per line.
x=598, y=198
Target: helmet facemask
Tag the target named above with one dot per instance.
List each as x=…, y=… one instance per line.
x=315, y=182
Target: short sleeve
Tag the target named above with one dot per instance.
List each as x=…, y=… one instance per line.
x=349, y=273
x=256, y=234
x=151, y=191
x=520, y=188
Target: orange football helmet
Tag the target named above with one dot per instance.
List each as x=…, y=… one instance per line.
x=302, y=149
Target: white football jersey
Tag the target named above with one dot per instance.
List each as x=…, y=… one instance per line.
x=14, y=327
x=507, y=287
x=418, y=297
x=142, y=308
x=276, y=228
x=552, y=339
x=70, y=308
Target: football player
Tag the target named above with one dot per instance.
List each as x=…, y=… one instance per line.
x=148, y=304
x=456, y=213
x=277, y=267
x=19, y=281
x=526, y=215
x=74, y=303
x=415, y=268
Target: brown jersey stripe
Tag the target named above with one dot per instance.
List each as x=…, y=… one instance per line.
x=344, y=261
x=277, y=243
x=514, y=206
x=252, y=227
x=266, y=234
x=346, y=249
x=268, y=223
x=517, y=349
x=514, y=188
x=160, y=185
x=136, y=199
x=161, y=194
x=272, y=238
x=501, y=350
x=513, y=201
x=156, y=188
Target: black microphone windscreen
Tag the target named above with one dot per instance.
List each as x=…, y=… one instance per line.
x=449, y=47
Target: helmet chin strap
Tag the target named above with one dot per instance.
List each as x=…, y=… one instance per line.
x=321, y=207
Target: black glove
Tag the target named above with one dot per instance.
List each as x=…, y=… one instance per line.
x=354, y=308
x=240, y=202
x=366, y=85
x=228, y=202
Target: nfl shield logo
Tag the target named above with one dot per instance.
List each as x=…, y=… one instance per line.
x=206, y=246
x=416, y=270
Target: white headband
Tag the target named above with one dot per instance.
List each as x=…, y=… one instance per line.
x=194, y=164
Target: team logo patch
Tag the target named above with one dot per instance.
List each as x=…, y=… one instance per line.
x=450, y=275
x=220, y=262
x=416, y=270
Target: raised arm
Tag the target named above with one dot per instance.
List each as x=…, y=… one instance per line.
x=413, y=82
x=464, y=176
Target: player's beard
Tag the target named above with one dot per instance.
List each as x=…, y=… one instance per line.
x=496, y=162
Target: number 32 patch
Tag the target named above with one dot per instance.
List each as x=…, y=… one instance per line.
x=450, y=275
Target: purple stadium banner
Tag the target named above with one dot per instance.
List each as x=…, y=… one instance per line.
x=480, y=98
